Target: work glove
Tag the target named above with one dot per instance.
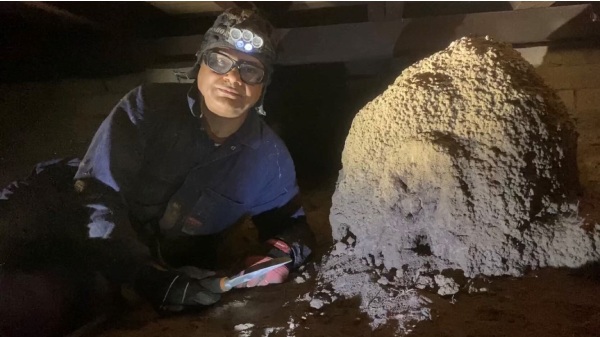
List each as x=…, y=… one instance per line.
x=175, y=290
x=275, y=276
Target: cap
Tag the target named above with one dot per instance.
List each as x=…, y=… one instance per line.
x=244, y=30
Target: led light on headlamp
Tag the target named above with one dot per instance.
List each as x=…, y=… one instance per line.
x=257, y=42
x=245, y=40
x=247, y=35
x=235, y=34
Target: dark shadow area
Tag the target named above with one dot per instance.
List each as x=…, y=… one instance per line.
x=49, y=279
x=589, y=271
x=307, y=107
x=421, y=38
x=312, y=107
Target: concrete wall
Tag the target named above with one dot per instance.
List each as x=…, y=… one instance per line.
x=575, y=74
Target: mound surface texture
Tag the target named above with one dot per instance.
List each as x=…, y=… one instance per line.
x=467, y=161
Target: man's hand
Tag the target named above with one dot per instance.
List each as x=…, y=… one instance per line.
x=175, y=290
x=275, y=276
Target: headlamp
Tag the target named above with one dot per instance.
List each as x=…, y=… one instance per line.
x=244, y=39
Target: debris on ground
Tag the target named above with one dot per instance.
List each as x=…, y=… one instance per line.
x=347, y=278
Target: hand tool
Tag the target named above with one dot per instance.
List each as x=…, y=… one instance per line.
x=224, y=284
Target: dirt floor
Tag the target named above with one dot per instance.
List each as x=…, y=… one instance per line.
x=544, y=303
x=549, y=302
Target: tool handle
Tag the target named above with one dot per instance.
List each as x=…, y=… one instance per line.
x=216, y=285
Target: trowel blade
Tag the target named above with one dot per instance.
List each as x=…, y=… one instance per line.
x=256, y=271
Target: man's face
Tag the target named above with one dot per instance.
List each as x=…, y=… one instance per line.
x=227, y=95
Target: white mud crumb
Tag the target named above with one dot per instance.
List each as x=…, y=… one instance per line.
x=292, y=325
x=380, y=302
x=299, y=279
x=268, y=331
x=447, y=286
x=339, y=248
x=383, y=281
x=316, y=304
x=304, y=298
x=244, y=330
x=424, y=282
x=242, y=327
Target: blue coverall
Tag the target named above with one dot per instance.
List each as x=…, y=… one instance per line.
x=152, y=167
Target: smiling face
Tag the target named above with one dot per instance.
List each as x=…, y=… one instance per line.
x=227, y=95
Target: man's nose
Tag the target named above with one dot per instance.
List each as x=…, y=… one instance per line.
x=233, y=76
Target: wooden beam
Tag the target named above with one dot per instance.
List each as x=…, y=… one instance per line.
x=394, y=10
x=303, y=5
x=245, y=4
x=387, y=39
x=187, y=7
x=199, y=7
x=64, y=14
x=385, y=10
x=376, y=11
x=530, y=4
x=226, y=4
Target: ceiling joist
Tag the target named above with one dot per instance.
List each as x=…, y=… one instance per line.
x=385, y=10
x=387, y=39
x=63, y=14
x=303, y=5
x=191, y=7
x=530, y=4
x=214, y=7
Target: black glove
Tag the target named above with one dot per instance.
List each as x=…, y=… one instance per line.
x=175, y=290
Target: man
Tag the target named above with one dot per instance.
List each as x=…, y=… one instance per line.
x=173, y=166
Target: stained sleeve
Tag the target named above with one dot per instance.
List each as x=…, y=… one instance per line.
x=279, y=214
x=106, y=175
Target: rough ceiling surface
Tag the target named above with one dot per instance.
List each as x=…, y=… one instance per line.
x=46, y=40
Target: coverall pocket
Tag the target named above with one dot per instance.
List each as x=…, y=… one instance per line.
x=212, y=213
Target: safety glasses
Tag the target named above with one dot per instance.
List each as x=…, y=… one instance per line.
x=222, y=64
